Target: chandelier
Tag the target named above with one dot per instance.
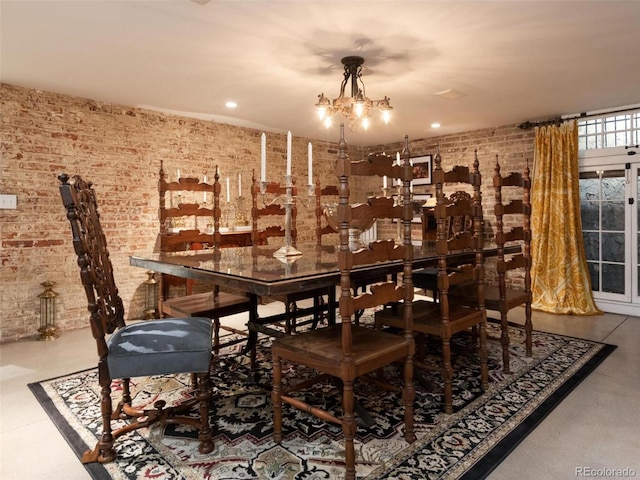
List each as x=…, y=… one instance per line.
x=357, y=107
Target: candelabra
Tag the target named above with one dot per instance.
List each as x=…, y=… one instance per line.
x=240, y=215
x=287, y=250
x=229, y=215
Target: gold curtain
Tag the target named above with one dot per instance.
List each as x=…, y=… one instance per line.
x=560, y=281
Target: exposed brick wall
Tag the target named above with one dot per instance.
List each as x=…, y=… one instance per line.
x=120, y=148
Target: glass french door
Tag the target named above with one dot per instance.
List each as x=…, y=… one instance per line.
x=610, y=216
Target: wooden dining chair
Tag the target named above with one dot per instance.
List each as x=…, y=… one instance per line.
x=268, y=212
x=268, y=223
x=321, y=298
x=154, y=347
x=458, y=177
x=448, y=317
x=322, y=195
x=347, y=351
x=215, y=303
x=326, y=227
x=183, y=222
x=513, y=207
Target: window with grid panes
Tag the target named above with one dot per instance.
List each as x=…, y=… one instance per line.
x=619, y=130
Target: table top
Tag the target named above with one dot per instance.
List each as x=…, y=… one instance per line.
x=255, y=269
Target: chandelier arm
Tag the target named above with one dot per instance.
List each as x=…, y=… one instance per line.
x=343, y=85
x=355, y=89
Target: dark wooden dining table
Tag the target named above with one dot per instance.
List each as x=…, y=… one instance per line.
x=256, y=271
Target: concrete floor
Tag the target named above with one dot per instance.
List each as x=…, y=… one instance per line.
x=596, y=427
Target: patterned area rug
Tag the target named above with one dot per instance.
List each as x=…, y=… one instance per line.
x=468, y=444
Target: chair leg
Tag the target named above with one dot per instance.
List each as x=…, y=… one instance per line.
x=204, y=396
x=447, y=374
x=103, y=452
x=504, y=341
x=317, y=307
x=294, y=316
x=216, y=335
x=349, y=429
x=276, y=400
x=484, y=355
x=287, y=309
x=126, y=392
x=252, y=343
x=528, y=328
x=408, y=397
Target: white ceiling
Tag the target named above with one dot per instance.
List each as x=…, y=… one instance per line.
x=513, y=60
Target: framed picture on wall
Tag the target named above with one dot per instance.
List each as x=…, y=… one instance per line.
x=421, y=170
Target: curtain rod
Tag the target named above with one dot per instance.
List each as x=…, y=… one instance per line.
x=558, y=120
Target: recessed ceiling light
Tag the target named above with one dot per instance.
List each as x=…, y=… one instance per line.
x=231, y=104
x=435, y=125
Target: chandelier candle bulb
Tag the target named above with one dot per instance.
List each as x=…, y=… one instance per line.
x=178, y=174
x=384, y=182
x=228, y=197
x=263, y=158
x=398, y=158
x=239, y=185
x=310, y=156
x=288, y=153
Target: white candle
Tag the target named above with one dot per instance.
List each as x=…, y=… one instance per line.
x=384, y=182
x=228, y=197
x=310, y=155
x=288, y=153
x=178, y=175
x=239, y=185
x=263, y=159
x=204, y=194
x=398, y=158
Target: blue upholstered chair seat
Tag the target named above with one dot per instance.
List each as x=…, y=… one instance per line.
x=161, y=347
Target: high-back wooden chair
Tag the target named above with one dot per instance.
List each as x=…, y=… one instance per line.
x=512, y=201
x=461, y=177
x=268, y=222
x=154, y=347
x=214, y=304
x=268, y=219
x=448, y=317
x=321, y=194
x=453, y=226
x=184, y=222
x=509, y=297
x=347, y=351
